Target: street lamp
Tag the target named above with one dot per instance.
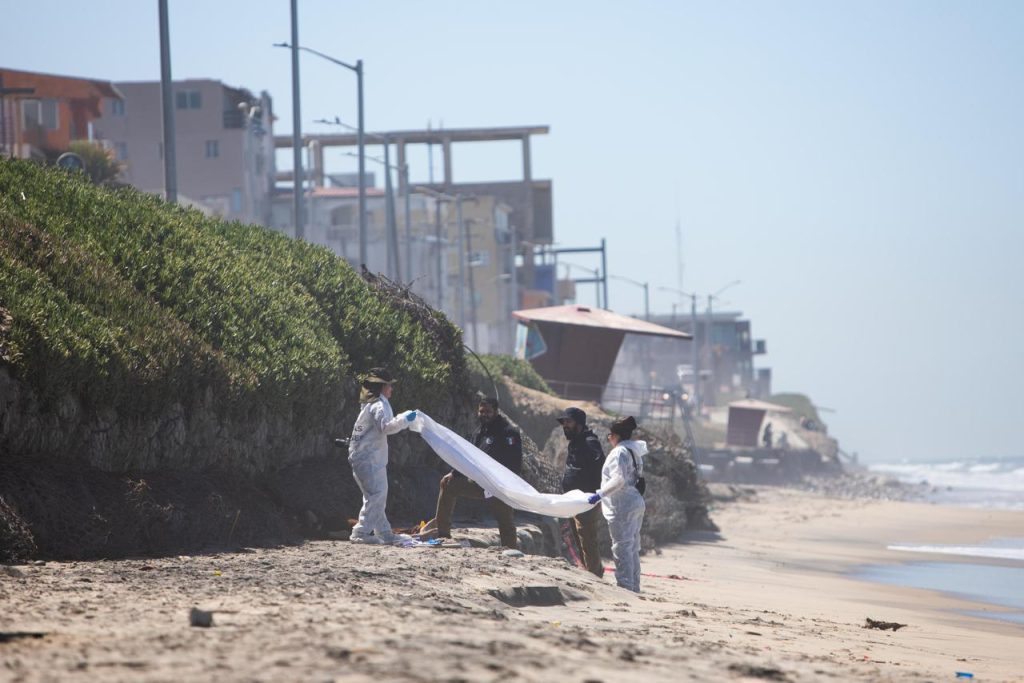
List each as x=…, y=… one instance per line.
x=392, y=229
x=694, y=351
x=712, y=297
x=358, y=69
x=647, y=291
x=580, y=281
x=710, y=328
x=438, y=198
x=403, y=171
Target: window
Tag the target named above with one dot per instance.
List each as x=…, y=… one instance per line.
x=236, y=200
x=40, y=114
x=121, y=151
x=212, y=149
x=188, y=99
x=117, y=107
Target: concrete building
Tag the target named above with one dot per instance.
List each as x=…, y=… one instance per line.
x=223, y=144
x=502, y=220
x=332, y=221
x=41, y=114
x=484, y=287
x=529, y=199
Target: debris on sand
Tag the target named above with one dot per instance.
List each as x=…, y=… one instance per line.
x=882, y=625
x=198, y=617
x=9, y=636
x=535, y=596
x=755, y=671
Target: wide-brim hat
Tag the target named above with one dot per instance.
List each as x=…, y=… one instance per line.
x=378, y=376
x=574, y=414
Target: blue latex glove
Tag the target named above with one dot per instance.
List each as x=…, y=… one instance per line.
x=410, y=416
x=593, y=498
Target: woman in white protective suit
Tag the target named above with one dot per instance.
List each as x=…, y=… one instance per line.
x=368, y=455
x=621, y=494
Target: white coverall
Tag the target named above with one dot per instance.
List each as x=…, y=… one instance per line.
x=623, y=507
x=368, y=455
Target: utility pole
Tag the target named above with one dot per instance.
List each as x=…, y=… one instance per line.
x=362, y=165
x=604, y=272
x=408, y=223
x=437, y=245
x=707, y=342
x=472, y=286
x=695, y=353
x=167, y=107
x=394, y=267
x=296, y=128
x=460, y=291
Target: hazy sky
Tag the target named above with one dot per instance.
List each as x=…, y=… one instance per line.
x=858, y=165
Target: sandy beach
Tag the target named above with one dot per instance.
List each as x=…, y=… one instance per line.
x=768, y=599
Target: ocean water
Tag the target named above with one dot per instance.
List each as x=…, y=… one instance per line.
x=988, y=483
x=995, y=573
x=997, y=585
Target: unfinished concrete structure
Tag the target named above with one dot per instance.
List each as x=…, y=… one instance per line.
x=528, y=199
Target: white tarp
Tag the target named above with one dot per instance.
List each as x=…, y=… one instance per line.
x=493, y=477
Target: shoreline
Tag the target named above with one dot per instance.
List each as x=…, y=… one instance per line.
x=823, y=542
x=769, y=598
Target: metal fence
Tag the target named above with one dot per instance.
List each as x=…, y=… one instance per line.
x=645, y=403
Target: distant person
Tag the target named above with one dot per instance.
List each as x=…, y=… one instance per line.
x=767, y=438
x=500, y=440
x=583, y=471
x=621, y=495
x=783, y=441
x=368, y=455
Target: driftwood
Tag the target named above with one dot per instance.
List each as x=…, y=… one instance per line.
x=882, y=625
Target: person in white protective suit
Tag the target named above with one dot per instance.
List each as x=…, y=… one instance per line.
x=621, y=495
x=368, y=455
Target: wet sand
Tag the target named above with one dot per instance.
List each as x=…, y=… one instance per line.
x=768, y=600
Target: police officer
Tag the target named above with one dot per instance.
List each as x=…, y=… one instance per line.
x=583, y=471
x=500, y=440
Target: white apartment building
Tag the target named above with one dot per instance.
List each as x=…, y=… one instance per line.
x=224, y=144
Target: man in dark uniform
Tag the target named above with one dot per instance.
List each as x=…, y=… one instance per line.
x=500, y=440
x=583, y=471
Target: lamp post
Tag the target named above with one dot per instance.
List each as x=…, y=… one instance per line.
x=647, y=291
x=580, y=280
x=167, y=108
x=646, y=341
x=392, y=227
x=710, y=328
x=438, y=198
x=694, y=350
x=358, y=69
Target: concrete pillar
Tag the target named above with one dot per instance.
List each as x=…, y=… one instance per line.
x=527, y=172
x=446, y=146
x=400, y=144
x=318, y=161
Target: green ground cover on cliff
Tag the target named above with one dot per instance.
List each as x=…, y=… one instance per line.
x=518, y=370
x=800, y=404
x=130, y=303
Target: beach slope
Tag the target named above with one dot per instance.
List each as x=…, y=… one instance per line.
x=766, y=600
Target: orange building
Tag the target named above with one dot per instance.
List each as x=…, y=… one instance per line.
x=41, y=114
